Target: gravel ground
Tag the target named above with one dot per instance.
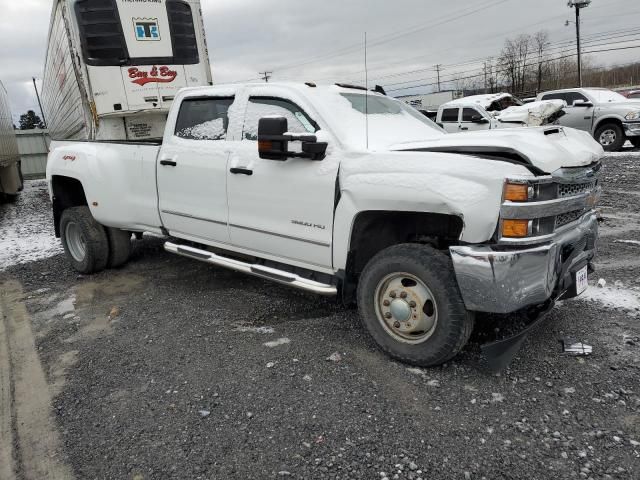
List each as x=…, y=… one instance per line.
x=169, y=368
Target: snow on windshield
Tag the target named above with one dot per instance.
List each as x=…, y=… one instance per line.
x=603, y=96
x=389, y=121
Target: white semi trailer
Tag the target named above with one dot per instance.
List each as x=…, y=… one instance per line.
x=10, y=177
x=113, y=67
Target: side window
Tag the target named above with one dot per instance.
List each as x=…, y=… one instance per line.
x=449, y=115
x=203, y=118
x=556, y=96
x=572, y=97
x=469, y=113
x=258, y=107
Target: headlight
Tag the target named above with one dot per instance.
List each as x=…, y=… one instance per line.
x=632, y=116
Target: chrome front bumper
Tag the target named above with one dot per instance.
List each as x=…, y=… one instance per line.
x=504, y=280
x=631, y=129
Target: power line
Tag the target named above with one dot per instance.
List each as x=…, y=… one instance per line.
x=553, y=46
x=458, y=73
x=505, y=70
x=393, y=35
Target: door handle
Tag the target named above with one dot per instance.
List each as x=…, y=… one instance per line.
x=168, y=163
x=241, y=171
x=464, y=128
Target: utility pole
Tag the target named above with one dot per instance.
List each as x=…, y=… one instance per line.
x=44, y=120
x=578, y=5
x=485, y=77
x=266, y=76
x=438, y=72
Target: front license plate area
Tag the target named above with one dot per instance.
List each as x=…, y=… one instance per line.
x=582, y=280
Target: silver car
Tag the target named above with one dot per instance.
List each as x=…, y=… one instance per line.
x=610, y=117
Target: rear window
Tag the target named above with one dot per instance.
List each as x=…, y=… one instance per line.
x=203, y=118
x=449, y=115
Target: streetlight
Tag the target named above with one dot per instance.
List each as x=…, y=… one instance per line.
x=578, y=4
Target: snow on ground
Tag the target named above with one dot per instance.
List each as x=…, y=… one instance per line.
x=614, y=297
x=26, y=228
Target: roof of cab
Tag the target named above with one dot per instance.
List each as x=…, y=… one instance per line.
x=482, y=100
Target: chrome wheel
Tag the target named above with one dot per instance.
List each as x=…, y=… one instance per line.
x=406, y=308
x=76, y=243
x=608, y=137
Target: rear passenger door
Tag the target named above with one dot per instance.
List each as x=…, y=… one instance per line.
x=450, y=120
x=192, y=171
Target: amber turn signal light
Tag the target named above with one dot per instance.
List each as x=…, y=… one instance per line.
x=265, y=146
x=516, y=192
x=515, y=228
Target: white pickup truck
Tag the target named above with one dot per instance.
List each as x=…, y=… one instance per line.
x=496, y=110
x=340, y=191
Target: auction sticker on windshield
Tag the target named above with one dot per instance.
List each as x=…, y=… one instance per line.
x=581, y=280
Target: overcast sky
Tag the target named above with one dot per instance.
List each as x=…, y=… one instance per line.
x=322, y=41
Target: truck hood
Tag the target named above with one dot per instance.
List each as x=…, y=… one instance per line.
x=630, y=104
x=541, y=149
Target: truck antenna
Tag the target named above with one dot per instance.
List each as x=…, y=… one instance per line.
x=366, y=95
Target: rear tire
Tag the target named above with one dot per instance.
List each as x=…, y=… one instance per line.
x=119, y=247
x=84, y=240
x=410, y=303
x=611, y=137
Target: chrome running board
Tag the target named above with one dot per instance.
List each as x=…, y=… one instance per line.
x=273, y=274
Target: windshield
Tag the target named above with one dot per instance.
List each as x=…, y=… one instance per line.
x=389, y=121
x=603, y=96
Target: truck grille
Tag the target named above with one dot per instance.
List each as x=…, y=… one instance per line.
x=570, y=189
x=566, y=218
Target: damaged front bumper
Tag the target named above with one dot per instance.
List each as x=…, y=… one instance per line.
x=500, y=279
x=631, y=129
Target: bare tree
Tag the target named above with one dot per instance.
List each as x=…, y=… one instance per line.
x=541, y=44
x=513, y=61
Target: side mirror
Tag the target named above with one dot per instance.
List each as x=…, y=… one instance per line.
x=273, y=142
x=479, y=119
x=582, y=103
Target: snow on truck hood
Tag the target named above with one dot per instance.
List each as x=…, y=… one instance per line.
x=546, y=148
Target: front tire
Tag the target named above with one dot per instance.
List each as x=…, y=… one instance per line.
x=84, y=240
x=611, y=137
x=409, y=302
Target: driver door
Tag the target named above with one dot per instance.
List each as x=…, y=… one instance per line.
x=281, y=209
x=579, y=117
